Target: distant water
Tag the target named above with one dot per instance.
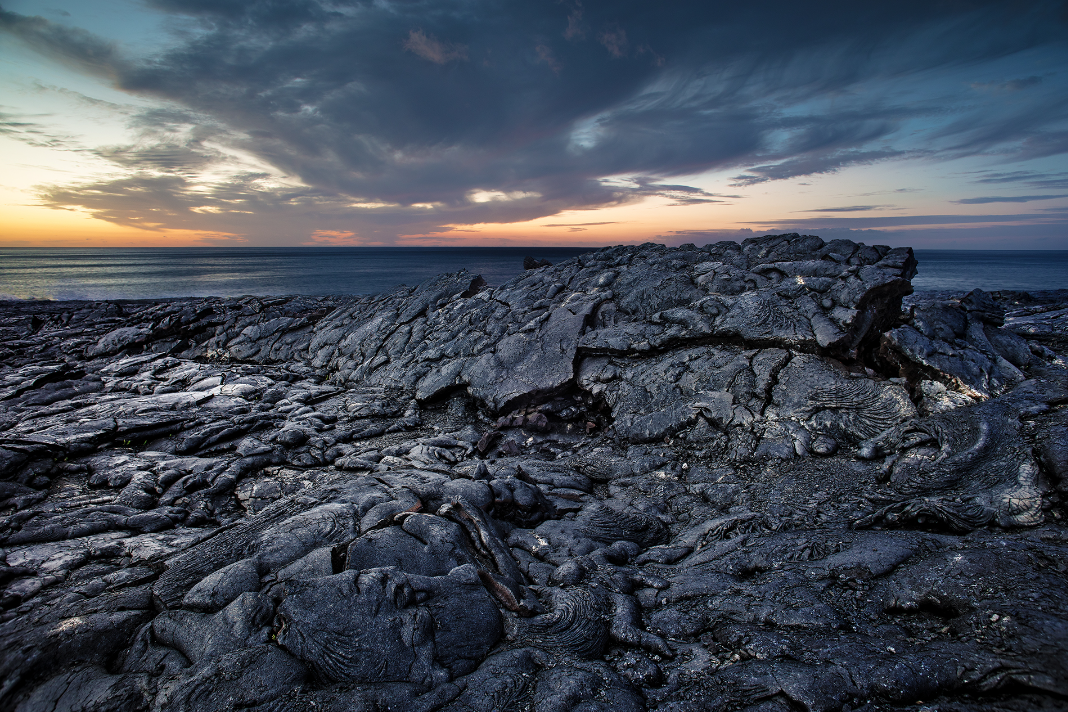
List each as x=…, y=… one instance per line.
x=990, y=270
x=147, y=273
x=154, y=273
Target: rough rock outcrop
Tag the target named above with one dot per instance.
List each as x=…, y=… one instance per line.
x=762, y=476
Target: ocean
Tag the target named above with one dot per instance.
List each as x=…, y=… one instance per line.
x=156, y=273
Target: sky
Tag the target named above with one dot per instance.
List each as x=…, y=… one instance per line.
x=931, y=123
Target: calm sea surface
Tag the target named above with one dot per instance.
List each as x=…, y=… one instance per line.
x=111, y=273
x=152, y=273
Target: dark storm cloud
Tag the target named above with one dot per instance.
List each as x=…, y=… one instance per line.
x=421, y=105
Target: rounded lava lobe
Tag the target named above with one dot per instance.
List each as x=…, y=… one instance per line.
x=382, y=625
x=356, y=627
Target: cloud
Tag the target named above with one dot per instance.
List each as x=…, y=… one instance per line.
x=254, y=206
x=172, y=201
x=681, y=195
x=545, y=54
x=90, y=101
x=1007, y=199
x=166, y=140
x=162, y=157
x=429, y=48
x=815, y=163
x=847, y=209
x=580, y=224
x=803, y=224
x=615, y=41
x=31, y=131
x=574, y=29
x=333, y=238
x=388, y=117
x=70, y=45
x=1009, y=86
x=1033, y=179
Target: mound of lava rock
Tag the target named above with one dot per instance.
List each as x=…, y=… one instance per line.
x=739, y=477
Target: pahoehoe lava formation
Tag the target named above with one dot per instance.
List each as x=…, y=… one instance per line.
x=738, y=477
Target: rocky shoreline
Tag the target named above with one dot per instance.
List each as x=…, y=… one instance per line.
x=763, y=476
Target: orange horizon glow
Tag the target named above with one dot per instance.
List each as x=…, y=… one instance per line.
x=38, y=226
x=73, y=229
x=23, y=224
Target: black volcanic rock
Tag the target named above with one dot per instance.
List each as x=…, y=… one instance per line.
x=739, y=477
x=533, y=263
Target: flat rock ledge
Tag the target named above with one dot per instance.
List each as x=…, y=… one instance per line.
x=761, y=477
